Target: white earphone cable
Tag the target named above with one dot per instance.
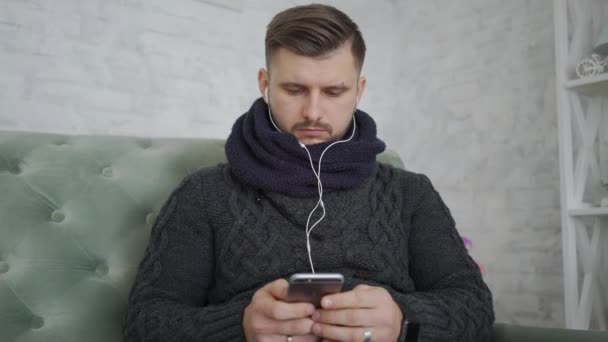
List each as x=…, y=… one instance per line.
x=317, y=174
x=320, y=189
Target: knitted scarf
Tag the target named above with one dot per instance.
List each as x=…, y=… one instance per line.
x=269, y=160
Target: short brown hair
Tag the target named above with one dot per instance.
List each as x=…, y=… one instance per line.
x=313, y=30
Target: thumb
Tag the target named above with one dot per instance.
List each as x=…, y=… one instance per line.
x=278, y=289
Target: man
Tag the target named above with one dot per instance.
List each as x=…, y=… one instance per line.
x=302, y=192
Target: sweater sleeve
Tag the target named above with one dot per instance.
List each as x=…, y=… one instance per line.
x=451, y=301
x=168, y=301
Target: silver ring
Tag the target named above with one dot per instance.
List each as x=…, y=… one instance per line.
x=367, y=336
x=289, y=339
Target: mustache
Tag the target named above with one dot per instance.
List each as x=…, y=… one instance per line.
x=312, y=125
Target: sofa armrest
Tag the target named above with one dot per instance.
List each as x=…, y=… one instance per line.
x=506, y=333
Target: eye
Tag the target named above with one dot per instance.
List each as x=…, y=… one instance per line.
x=294, y=91
x=334, y=93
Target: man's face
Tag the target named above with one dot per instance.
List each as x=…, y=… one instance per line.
x=313, y=98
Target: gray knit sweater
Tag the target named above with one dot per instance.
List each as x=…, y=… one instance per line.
x=216, y=242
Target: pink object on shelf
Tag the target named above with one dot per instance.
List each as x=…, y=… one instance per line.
x=468, y=244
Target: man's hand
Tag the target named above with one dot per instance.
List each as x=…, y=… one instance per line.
x=348, y=315
x=269, y=318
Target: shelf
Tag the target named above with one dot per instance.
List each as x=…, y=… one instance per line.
x=593, y=211
x=596, y=85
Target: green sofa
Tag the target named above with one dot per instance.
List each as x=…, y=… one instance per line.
x=75, y=215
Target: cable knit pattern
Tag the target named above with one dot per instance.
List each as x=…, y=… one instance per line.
x=217, y=241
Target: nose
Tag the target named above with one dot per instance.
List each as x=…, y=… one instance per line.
x=312, y=108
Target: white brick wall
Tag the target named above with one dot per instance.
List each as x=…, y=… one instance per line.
x=476, y=92
x=463, y=90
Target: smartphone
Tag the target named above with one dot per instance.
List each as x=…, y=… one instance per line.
x=311, y=287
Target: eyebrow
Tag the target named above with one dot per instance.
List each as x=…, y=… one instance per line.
x=341, y=86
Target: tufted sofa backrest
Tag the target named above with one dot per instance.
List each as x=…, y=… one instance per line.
x=75, y=218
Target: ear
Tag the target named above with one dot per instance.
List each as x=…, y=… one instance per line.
x=360, y=88
x=263, y=83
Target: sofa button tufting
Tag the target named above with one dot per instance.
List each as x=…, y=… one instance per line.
x=57, y=216
x=144, y=144
x=14, y=169
x=107, y=172
x=36, y=322
x=101, y=269
x=150, y=218
x=4, y=267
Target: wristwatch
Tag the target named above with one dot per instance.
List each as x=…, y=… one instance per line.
x=409, y=331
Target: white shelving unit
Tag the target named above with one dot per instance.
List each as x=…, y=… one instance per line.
x=579, y=106
x=594, y=85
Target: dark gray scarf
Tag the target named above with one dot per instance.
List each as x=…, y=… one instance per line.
x=269, y=160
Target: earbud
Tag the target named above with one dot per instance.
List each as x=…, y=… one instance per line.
x=266, y=95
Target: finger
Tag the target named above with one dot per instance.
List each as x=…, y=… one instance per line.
x=347, y=317
x=350, y=299
x=281, y=311
x=338, y=333
x=294, y=327
x=362, y=287
x=278, y=288
x=265, y=326
x=283, y=338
